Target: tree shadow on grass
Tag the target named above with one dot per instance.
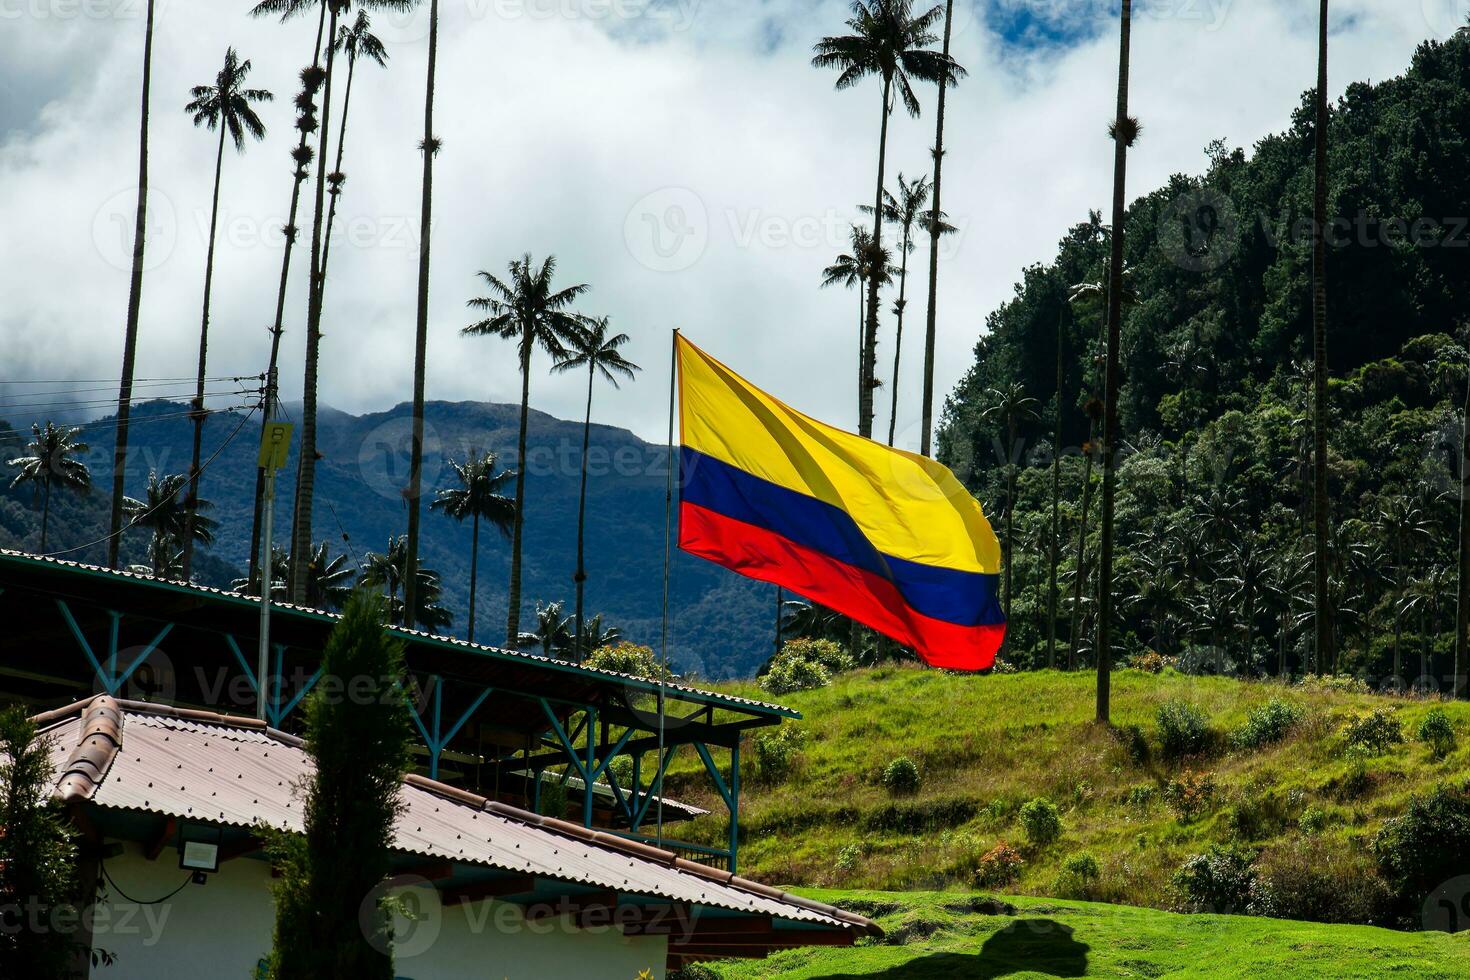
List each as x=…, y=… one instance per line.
x=1042, y=946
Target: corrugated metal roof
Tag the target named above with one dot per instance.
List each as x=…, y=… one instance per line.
x=197, y=766
x=731, y=701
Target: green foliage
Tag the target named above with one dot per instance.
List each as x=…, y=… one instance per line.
x=358, y=731
x=1190, y=794
x=38, y=855
x=829, y=653
x=794, y=674
x=1320, y=881
x=1078, y=877
x=1436, y=731
x=554, y=796
x=901, y=776
x=776, y=753
x=1427, y=844
x=1184, y=730
x=999, y=866
x=1374, y=732
x=1221, y=880
x=1269, y=723
x=694, y=971
x=1312, y=820
x=625, y=657
x=1041, y=820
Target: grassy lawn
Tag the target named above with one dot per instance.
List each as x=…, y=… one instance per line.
x=937, y=935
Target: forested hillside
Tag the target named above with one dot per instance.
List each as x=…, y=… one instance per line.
x=1214, y=495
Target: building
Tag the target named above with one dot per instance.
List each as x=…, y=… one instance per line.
x=151, y=698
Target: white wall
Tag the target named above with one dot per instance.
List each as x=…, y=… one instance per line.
x=220, y=930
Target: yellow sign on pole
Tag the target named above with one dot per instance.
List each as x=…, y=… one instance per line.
x=275, y=444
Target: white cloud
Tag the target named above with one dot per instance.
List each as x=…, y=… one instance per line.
x=559, y=117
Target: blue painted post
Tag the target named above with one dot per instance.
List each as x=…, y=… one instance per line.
x=734, y=803
x=590, y=771
x=436, y=746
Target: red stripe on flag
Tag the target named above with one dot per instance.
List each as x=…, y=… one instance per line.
x=867, y=598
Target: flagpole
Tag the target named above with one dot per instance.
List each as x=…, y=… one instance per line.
x=668, y=558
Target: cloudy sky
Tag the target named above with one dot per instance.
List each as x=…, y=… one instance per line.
x=681, y=156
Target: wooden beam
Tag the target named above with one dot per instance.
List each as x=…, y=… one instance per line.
x=165, y=833
x=491, y=888
x=248, y=844
x=574, y=905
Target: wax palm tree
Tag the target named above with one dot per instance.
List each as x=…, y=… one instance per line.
x=890, y=41
x=1009, y=407
x=1405, y=530
x=1320, y=519
x=1248, y=565
x=162, y=510
x=49, y=461
x=1287, y=591
x=355, y=40
x=528, y=310
x=429, y=149
x=598, y=636
x=384, y=569
x=851, y=269
x=228, y=106
x=926, y=425
x=387, y=570
x=553, y=635
x=593, y=349
x=1124, y=131
x=1158, y=593
x=478, y=497
x=329, y=586
x=904, y=210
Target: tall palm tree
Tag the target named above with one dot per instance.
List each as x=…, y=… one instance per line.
x=1323, y=610
x=1056, y=501
x=135, y=302
x=355, y=40
x=312, y=78
x=527, y=310
x=890, y=41
x=1124, y=131
x=429, y=148
x=387, y=571
x=163, y=512
x=331, y=581
x=593, y=349
x=1009, y=407
x=851, y=269
x=384, y=569
x=903, y=211
x=1405, y=528
x=478, y=497
x=598, y=636
x=926, y=428
x=227, y=106
x=553, y=632
x=49, y=461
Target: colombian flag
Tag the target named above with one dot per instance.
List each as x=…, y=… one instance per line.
x=887, y=537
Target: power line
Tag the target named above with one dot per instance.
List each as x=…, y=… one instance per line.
x=108, y=402
x=346, y=538
x=112, y=384
x=166, y=417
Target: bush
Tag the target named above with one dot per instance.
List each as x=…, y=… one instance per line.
x=850, y=857
x=1142, y=797
x=776, y=752
x=1184, y=729
x=999, y=866
x=1312, y=821
x=694, y=971
x=1041, y=821
x=1078, y=878
x=1317, y=882
x=628, y=658
x=1269, y=723
x=1374, y=732
x=1151, y=662
x=1427, y=844
x=1437, y=732
x=1190, y=794
x=789, y=674
x=1221, y=880
x=829, y=653
x=901, y=776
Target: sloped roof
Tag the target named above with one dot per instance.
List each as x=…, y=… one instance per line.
x=237, y=772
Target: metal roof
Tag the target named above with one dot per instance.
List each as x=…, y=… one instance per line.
x=192, y=765
x=473, y=652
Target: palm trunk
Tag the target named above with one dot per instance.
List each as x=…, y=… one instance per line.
x=45, y=511
x=1323, y=613
x=306, y=472
x=191, y=500
x=870, y=333
x=1281, y=643
x=861, y=346
x=581, y=577
x=135, y=300
x=1078, y=580
x=1398, y=669
x=336, y=192
x=1056, y=495
x=903, y=280
x=1462, y=587
x=926, y=429
x=298, y=178
x=513, y=593
x=474, y=568
x=1110, y=411
x=1010, y=550
x=421, y=334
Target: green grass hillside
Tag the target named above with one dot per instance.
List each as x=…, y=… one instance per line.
x=1304, y=809
x=944, y=936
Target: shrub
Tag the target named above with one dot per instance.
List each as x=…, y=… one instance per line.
x=789, y=674
x=1151, y=662
x=850, y=857
x=999, y=866
x=901, y=776
x=1041, y=821
x=1221, y=880
x=1142, y=797
x=1184, y=729
x=829, y=653
x=553, y=802
x=1318, y=882
x=775, y=753
x=1427, y=844
x=1269, y=723
x=621, y=770
x=1437, y=732
x=1312, y=821
x=1374, y=732
x=694, y=971
x=1190, y=794
x=1078, y=878
x=921, y=816
x=628, y=658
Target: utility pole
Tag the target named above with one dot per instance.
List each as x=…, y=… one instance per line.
x=275, y=443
